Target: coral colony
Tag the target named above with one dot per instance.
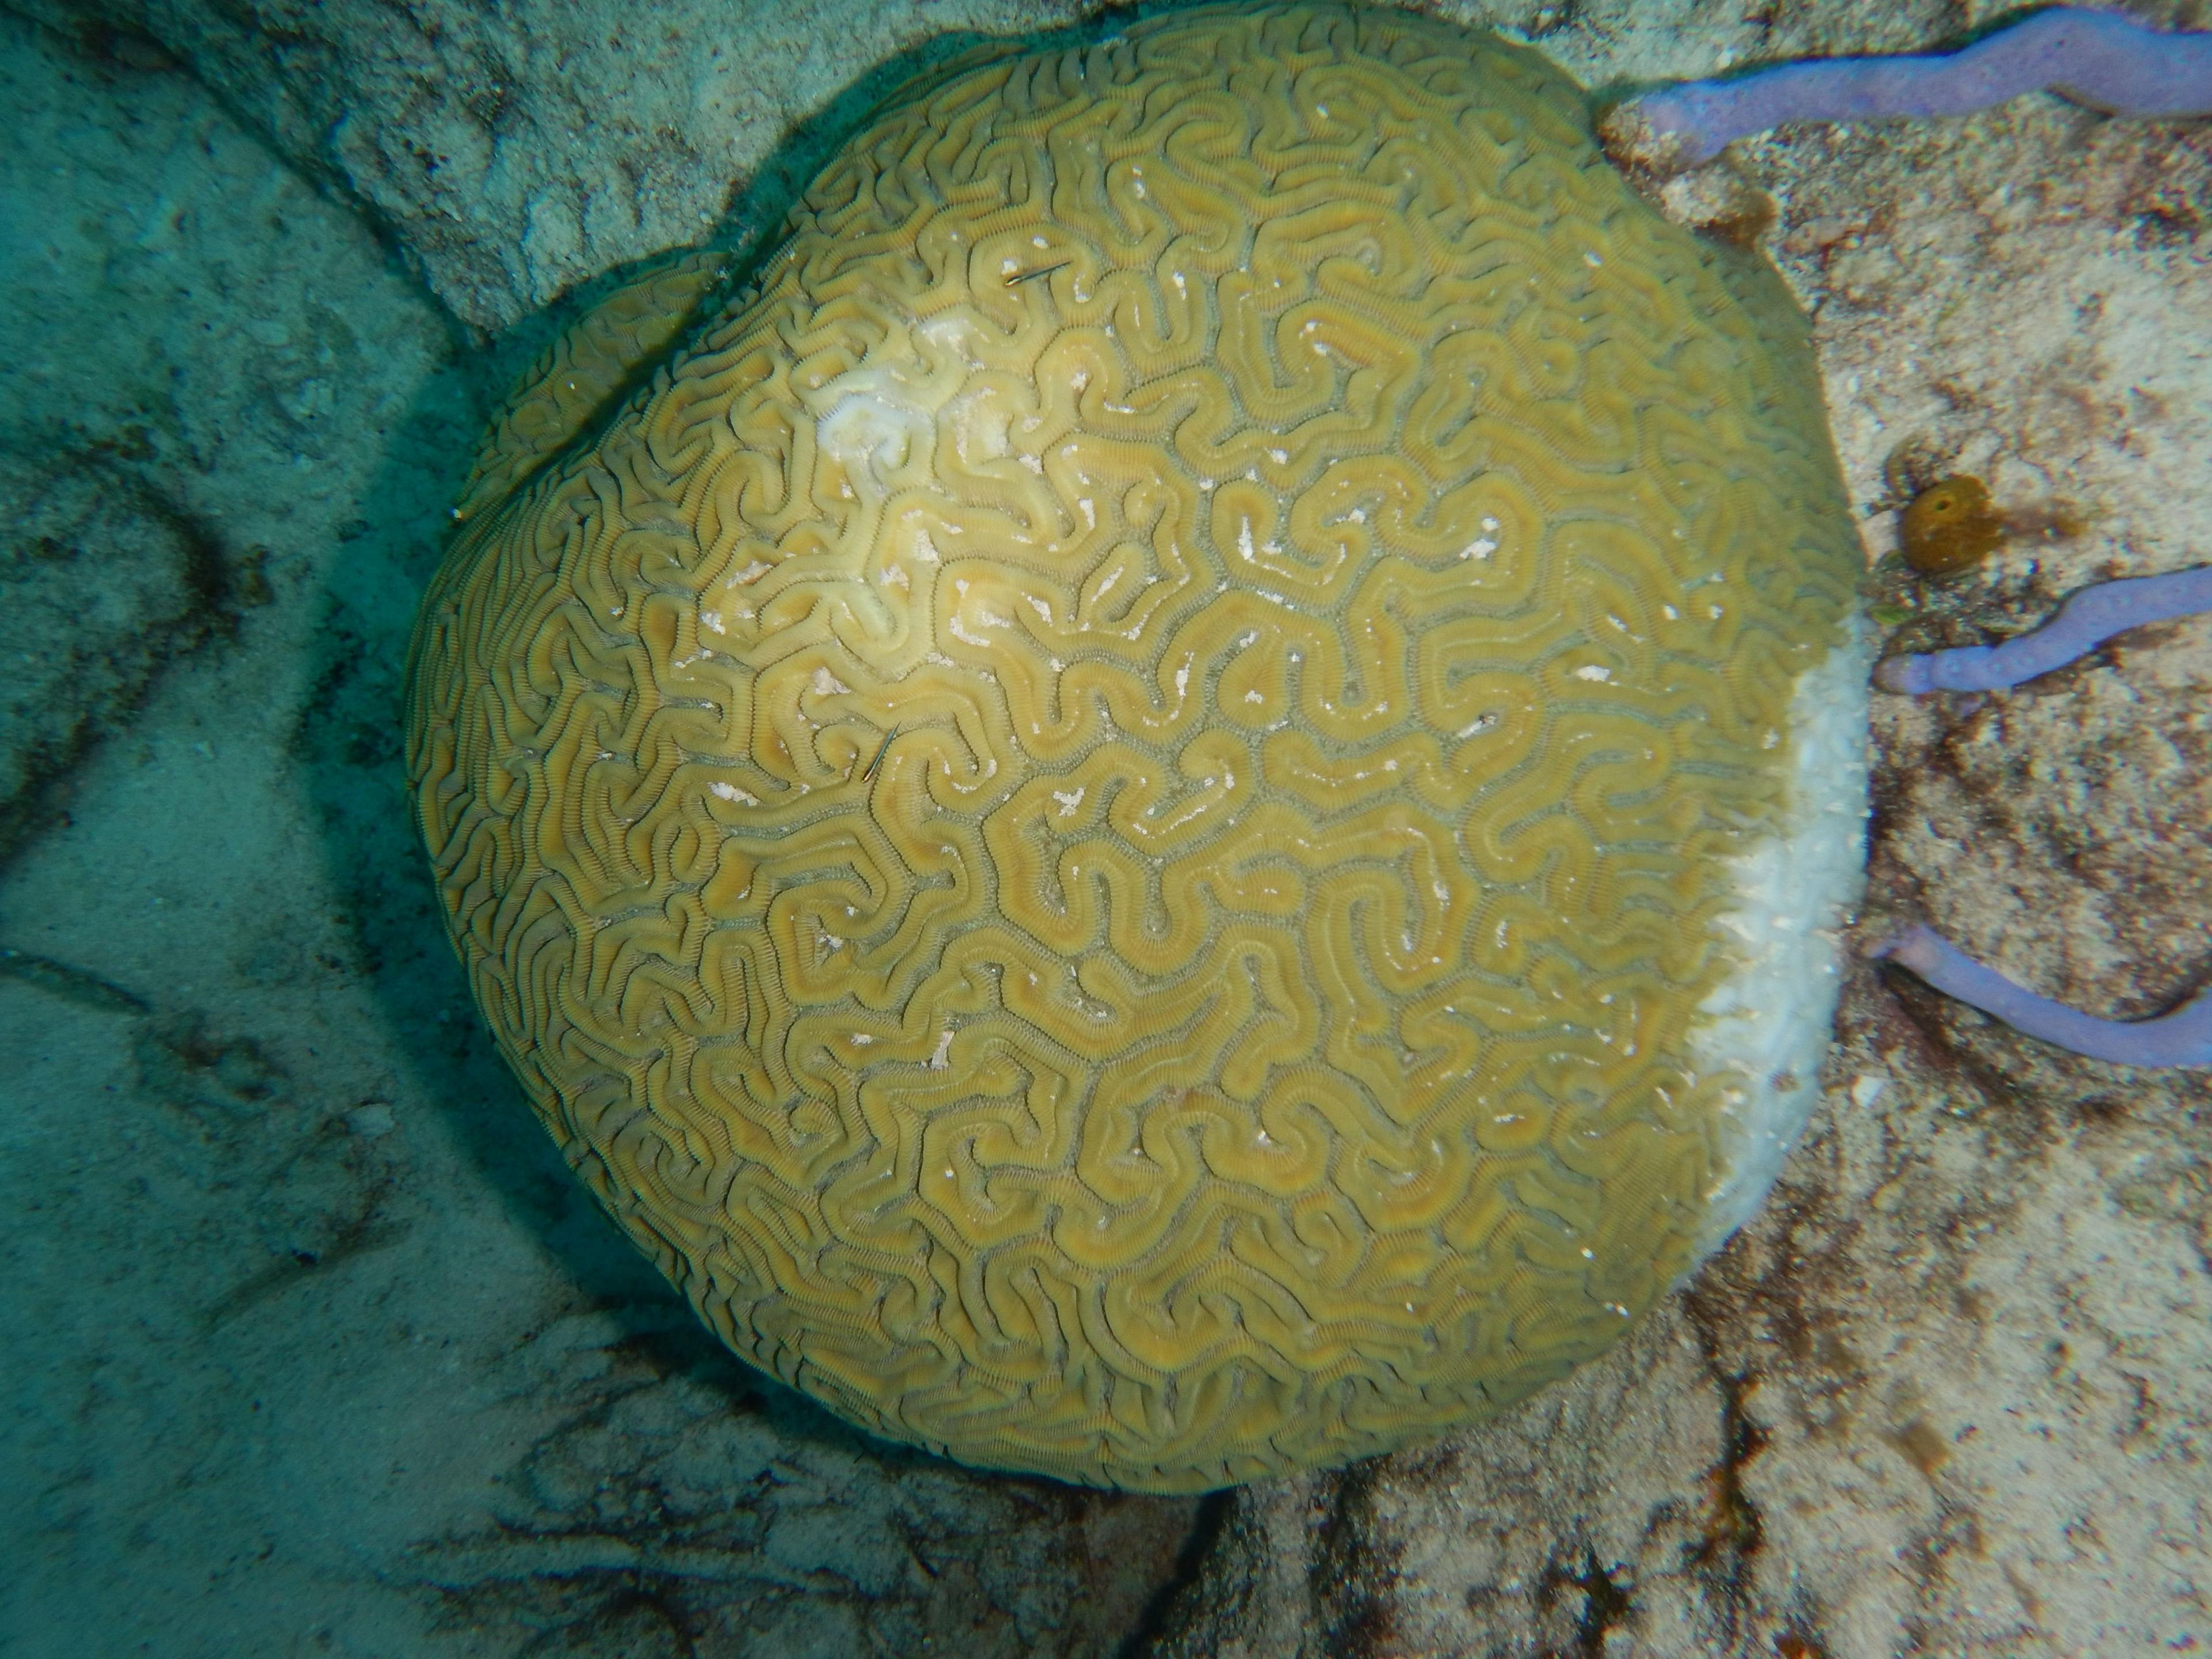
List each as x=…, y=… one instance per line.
x=2107, y=62
x=1099, y=816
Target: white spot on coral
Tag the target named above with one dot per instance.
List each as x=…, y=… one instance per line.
x=1594, y=672
x=731, y=792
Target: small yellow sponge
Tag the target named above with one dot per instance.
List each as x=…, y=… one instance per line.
x=1161, y=811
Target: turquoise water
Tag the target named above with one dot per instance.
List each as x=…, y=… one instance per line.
x=312, y=1345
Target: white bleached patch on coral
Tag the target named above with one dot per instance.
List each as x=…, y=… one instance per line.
x=1767, y=1026
x=879, y=419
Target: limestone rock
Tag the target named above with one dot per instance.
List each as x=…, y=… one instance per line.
x=513, y=152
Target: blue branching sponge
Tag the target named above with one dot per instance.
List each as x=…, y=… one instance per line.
x=2183, y=1038
x=2086, y=621
x=2099, y=58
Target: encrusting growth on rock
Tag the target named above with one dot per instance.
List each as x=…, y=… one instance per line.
x=1949, y=527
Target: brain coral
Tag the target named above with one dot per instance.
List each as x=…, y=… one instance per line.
x=1162, y=809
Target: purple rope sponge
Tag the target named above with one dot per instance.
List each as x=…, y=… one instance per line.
x=2183, y=1038
x=2084, y=622
x=2095, y=58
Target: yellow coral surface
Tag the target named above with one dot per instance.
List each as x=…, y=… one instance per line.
x=1102, y=815
x=587, y=364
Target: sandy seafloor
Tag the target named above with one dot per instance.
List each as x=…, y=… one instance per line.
x=311, y=1346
